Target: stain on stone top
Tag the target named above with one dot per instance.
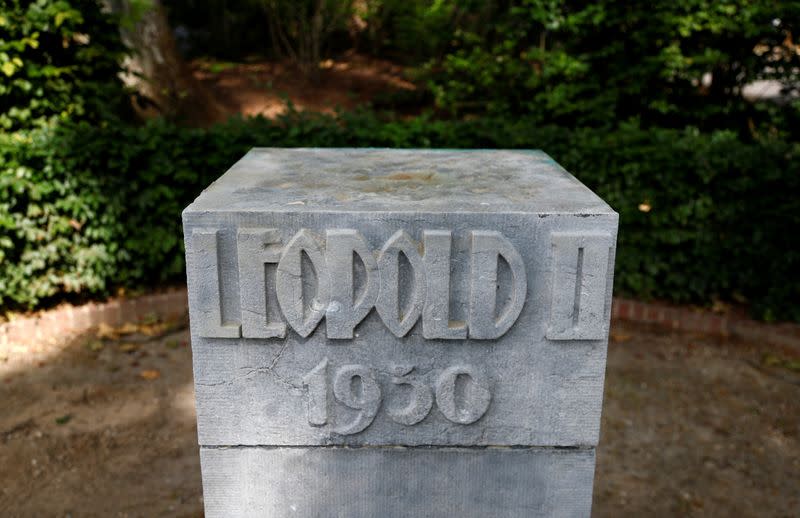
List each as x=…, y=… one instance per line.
x=329, y=179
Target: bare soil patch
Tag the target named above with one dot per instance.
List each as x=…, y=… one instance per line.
x=692, y=426
x=698, y=426
x=263, y=88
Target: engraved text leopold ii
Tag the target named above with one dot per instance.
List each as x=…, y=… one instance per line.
x=335, y=299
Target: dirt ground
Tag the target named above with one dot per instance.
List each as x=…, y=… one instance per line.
x=692, y=426
x=263, y=88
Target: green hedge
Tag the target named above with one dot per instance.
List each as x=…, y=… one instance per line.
x=59, y=61
x=87, y=209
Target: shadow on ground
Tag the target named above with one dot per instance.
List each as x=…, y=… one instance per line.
x=692, y=426
x=100, y=428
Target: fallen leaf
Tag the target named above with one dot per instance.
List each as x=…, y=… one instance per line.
x=620, y=337
x=64, y=419
x=152, y=329
x=150, y=374
x=127, y=328
x=105, y=331
x=128, y=347
x=172, y=343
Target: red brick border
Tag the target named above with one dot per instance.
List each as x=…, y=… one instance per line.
x=57, y=323
x=65, y=321
x=681, y=318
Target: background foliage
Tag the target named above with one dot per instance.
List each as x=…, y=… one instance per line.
x=665, y=63
x=642, y=102
x=58, y=62
x=703, y=215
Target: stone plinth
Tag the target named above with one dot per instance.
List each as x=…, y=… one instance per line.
x=398, y=333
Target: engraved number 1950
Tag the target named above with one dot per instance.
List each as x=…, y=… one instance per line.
x=356, y=387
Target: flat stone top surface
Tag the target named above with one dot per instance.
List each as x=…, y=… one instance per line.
x=413, y=180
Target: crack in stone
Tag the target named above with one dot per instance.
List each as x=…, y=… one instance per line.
x=270, y=369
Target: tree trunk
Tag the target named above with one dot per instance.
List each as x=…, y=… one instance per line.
x=157, y=72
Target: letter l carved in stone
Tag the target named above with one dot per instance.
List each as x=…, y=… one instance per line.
x=436, y=312
x=256, y=248
x=204, y=258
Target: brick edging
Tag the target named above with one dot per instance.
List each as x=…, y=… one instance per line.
x=682, y=318
x=67, y=320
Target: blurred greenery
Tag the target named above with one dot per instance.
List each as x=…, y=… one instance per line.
x=663, y=63
x=642, y=102
x=59, y=61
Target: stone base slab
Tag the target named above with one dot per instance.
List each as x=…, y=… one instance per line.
x=365, y=482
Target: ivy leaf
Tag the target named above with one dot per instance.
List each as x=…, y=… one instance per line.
x=8, y=68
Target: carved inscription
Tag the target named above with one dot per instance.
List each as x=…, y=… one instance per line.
x=580, y=281
x=206, y=267
x=344, y=311
x=461, y=392
x=420, y=402
x=436, y=321
x=315, y=279
x=400, y=320
x=487, y=248
x=301, y=314
x=476, y=399
x=257, y=248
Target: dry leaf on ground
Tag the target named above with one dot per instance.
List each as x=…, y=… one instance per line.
x=152, y=329
x=127, y=328
x=150, y=374
x=106, y=331
x=619, y=337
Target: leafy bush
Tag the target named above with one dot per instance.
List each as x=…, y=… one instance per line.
x=88, y=208
x=665, y=63
x=705, y=183
x=59, y=60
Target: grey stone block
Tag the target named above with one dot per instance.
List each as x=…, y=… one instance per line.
x=385, y=298
x=396, y=482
